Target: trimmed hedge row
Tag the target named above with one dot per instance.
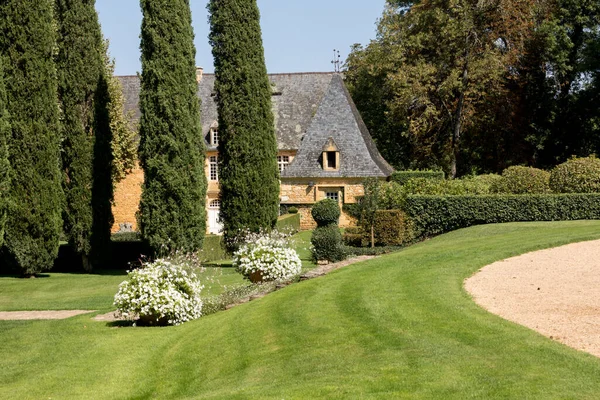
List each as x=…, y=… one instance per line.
x=433, y=215
x=402, y=177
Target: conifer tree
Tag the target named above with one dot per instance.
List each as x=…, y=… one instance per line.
x=172, y=212
x=80, y=67
x=27, y=43
x=4, y=165
x=248, y=172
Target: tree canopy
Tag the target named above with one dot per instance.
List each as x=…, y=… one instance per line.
x=475, y=86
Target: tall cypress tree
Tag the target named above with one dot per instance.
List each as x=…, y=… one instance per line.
x=4, y=165
x=80, y=66
x=27, y=43
x=172, y=209
x=248, y=172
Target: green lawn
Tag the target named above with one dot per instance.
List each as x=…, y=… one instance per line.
x=399, y=326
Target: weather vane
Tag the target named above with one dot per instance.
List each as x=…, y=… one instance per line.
x=337, y=63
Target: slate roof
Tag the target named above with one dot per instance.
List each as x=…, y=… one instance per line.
x=308, y=108
x=337, y=118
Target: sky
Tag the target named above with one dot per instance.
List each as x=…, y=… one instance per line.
x=298, y=35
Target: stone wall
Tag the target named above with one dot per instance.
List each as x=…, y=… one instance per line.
x=127, y=199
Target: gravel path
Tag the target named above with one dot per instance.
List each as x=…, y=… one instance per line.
x=555, y=292
x=25, y=315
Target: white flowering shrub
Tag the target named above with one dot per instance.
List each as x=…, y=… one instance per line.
x=267, y=257
x=160, y=293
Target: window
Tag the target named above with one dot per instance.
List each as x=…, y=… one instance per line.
x=332, y=195
x=331, y=159
x=213, y=168
x=215, y=204
x=214, y=136
x=282, y=162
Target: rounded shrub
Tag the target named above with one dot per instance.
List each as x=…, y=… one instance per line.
x=327, y=242
x=160, y=293
x=326, y=212
x=577, y=175
x=293, y=210
x=267, y=257
x=522, y=180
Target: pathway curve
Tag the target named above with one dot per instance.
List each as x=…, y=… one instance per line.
x=555, y=292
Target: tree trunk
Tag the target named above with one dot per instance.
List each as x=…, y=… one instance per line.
x=458, y=120
x=87, y=265
x=372, y=236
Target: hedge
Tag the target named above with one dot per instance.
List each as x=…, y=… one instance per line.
x=402, y=177
x=434, y=215
x=289, y=223
x=393, y=228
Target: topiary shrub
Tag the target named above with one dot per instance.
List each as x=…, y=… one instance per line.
x=267, y=257
x=326, y=212
x=326, y=238
x=160, y=293
x=522, y=180
x=393, y=228
x=577, y=175
x=327, y=242
x=293, y=210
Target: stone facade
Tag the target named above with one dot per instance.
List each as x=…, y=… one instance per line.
x=314, y=116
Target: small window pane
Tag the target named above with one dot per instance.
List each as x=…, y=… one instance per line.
x=332, y=195
x=213, y=168
x=282, y=162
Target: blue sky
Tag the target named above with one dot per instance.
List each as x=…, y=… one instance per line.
x=298, y=35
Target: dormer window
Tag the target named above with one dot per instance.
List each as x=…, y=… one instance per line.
x=213, y=135
x=331, y=156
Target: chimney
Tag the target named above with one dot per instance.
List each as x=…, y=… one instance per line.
x=199, y=72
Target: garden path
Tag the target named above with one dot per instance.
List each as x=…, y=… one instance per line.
x=553, y=291
x=26, y=315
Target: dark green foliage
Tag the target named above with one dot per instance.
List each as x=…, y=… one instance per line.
x=289, y=223
x=292, y=210
x=434, y=215
x=326, y=238
x=327, y=242
x=355, y=236
x=393, y=228
x=577, y=175
x=522, y=180
x=27, y=43
x=248, y=172
x=4, y=165
x=352, y=209
x=80, y=70
x=402, y=177
x=326, y=212
x=172, y=209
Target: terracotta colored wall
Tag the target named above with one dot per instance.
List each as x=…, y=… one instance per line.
x=295, y=192
x=127, y=199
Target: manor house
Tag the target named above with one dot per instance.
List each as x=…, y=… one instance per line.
x=325, y=149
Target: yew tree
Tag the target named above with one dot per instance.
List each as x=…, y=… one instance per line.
x=172, y=212
x=248, y=174
x=4, y=165
x=27, y=46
